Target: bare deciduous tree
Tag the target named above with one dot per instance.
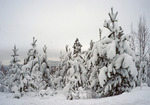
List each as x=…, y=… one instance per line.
x=140, y=41
x=140, y=44
x=133, y=39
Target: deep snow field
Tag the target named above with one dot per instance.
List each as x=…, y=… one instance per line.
x=136, y=97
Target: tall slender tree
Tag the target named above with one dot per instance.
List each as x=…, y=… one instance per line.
x=12, y=79
x=45, y=67
x=31, y=78
x=140, y=43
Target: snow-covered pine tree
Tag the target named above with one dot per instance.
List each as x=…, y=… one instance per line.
x=62, y=68
x=76, y=74
x=12, y=79
x=14, y=72
x=112, y=61
x=92, y=71
x=31, y=77
x=45, y=68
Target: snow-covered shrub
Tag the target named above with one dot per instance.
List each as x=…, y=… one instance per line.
x=44, y=92
x=142, y=77
x=16, y=93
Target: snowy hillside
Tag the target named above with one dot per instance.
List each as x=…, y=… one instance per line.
x=135, y=97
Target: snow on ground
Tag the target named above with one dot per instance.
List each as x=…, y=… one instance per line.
x=136, y=97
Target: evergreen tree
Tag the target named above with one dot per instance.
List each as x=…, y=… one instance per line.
x=62, y=69
x=92, y=74
x=31, y=77
x=13, y=76
x=76, y=75
x=112, y=61
x=45, y=68
x=12, y=79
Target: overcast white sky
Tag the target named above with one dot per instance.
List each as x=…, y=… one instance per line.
x=56, y=23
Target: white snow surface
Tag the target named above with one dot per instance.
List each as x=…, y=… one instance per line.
x=136, y=97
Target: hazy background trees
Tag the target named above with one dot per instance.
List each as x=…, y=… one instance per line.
x=140, y=44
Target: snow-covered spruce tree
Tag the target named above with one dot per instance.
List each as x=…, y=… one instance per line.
x=31, y=76
x=12, y=79
x=76, y=74
x=92, y=72
x=112, y=61
x=45, y=68
x=62, y=68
